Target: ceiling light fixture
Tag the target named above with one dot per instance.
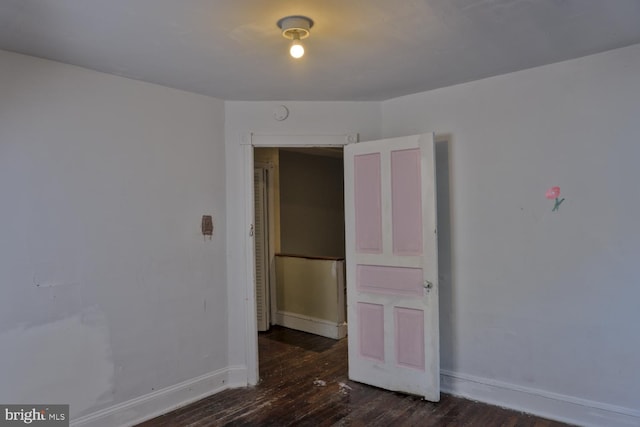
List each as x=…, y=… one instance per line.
x=295, y=28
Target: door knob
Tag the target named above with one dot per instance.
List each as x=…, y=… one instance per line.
x=428, y=284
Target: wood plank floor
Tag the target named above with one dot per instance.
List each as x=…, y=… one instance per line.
x=291, y=392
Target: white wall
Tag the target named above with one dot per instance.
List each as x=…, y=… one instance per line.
x=109, y=291
x=533, y=300
x=305, y=118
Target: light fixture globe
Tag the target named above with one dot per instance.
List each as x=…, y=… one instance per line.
x=295, y=28
x=296, y=50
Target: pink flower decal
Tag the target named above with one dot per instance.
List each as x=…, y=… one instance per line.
x=553, y=193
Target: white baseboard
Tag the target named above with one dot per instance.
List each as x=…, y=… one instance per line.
x=160, y=402
x=312, y=325
x=542, y=403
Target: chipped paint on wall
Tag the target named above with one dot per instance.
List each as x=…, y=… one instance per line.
x=71, y=356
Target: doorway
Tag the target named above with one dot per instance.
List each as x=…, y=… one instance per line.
x=246, y=268
x=391, y=266
x=299, y=239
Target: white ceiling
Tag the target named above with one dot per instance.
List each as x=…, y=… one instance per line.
x=358, y=49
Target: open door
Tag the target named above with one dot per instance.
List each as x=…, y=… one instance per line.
x=392, y=277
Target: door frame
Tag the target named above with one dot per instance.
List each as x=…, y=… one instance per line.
x=248, y=141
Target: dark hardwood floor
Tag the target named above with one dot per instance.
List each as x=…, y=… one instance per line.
x=303, y=382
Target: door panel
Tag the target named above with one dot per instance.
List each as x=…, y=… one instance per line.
x=392, y=287
x=371, y=331
x=409, y=324
x=368, y=203
x=389, y=280
x=406, y=211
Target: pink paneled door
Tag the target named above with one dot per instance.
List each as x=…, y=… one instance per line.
x=391, y=242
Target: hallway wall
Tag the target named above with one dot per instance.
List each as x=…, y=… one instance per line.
x=311, y=204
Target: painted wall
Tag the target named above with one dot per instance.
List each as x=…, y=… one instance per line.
x=310, y=295
x=311, y=204
x=109, y=291
x=305, y=118
x=532, y=299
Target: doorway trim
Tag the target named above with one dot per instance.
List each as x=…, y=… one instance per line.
x=248, y=141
